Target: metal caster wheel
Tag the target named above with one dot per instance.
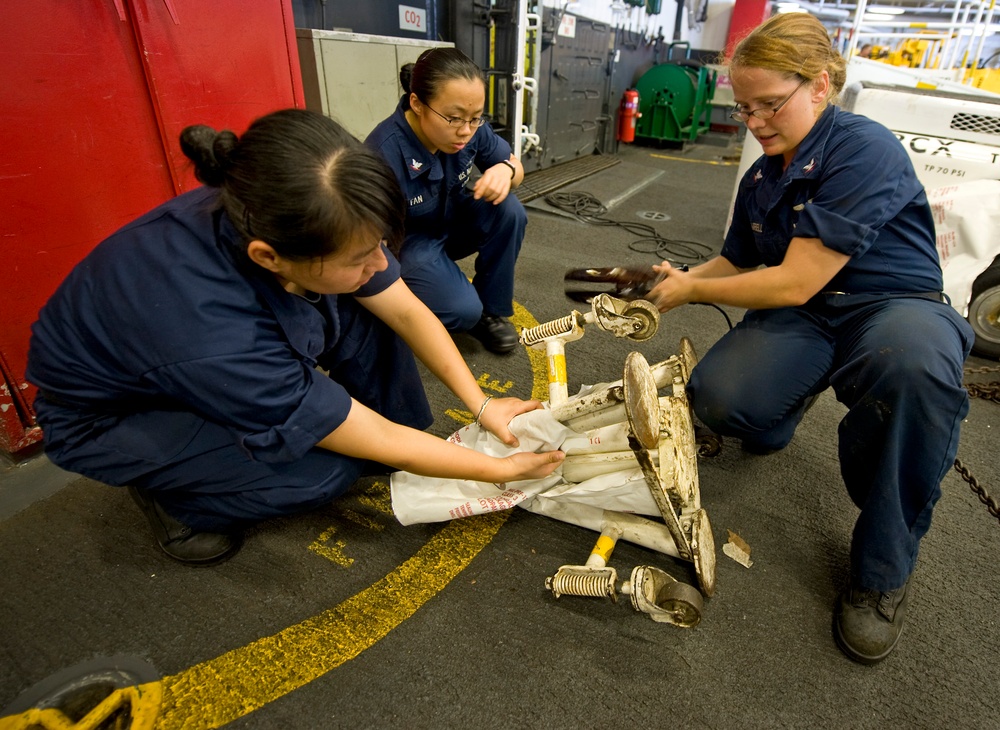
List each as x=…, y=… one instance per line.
x=663, y=597
x=684, y=602
x=646, y=316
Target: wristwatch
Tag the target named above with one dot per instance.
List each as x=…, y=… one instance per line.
x=513, y=170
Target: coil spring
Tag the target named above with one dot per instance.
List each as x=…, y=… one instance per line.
x=583, y=582
x=555, y=328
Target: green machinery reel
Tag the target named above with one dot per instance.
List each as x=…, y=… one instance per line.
x=675, y=102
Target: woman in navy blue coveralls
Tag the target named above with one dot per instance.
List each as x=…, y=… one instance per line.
x=181, y=357
x=832, y=251
x=433, y=140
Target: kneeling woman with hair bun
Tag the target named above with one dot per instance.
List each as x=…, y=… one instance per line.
x=432, y=142
x=184, y=357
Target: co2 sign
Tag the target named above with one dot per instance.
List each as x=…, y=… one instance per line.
x=412, y=19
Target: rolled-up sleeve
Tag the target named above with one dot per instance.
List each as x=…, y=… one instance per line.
x=860, y=191
x=323, y=407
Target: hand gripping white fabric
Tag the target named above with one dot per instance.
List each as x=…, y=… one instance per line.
x=418, y=499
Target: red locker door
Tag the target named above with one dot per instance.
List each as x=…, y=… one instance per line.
x=78, y=129
x=94, y=95
x=223, y=64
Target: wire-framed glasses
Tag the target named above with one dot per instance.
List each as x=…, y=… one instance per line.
x=458, y=122
x=766, y=112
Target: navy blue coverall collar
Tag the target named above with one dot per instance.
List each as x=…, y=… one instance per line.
x=417, y=159
x=808, y=159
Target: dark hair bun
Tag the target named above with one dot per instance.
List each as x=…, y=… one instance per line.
x=209, y=151
x=405, y=74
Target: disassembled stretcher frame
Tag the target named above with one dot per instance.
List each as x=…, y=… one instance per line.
x=627, y=422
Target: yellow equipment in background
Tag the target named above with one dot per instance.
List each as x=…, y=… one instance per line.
x=987, y=79
x=910, y=53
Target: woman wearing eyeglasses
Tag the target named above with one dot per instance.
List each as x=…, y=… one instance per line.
x=832, y=252
x=432, y=142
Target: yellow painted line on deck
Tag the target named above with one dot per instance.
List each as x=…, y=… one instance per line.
x=221, y=690
x=685, y=159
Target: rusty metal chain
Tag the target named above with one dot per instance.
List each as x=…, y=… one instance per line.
x=984, y=497
x=986, y=391
x=982, y=370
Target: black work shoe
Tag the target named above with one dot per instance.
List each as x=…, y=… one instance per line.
x=179, y=541
x=867, y=623
x=496, y=333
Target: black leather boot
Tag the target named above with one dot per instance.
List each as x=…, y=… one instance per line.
x=496, y=333
x=179, y=541
x=867, y=623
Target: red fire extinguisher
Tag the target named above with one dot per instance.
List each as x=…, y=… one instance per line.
x=628, y=112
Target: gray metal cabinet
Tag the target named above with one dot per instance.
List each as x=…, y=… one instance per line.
x=354, y=77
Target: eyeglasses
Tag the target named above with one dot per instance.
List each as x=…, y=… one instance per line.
x=458, y=122
x=765, y=113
